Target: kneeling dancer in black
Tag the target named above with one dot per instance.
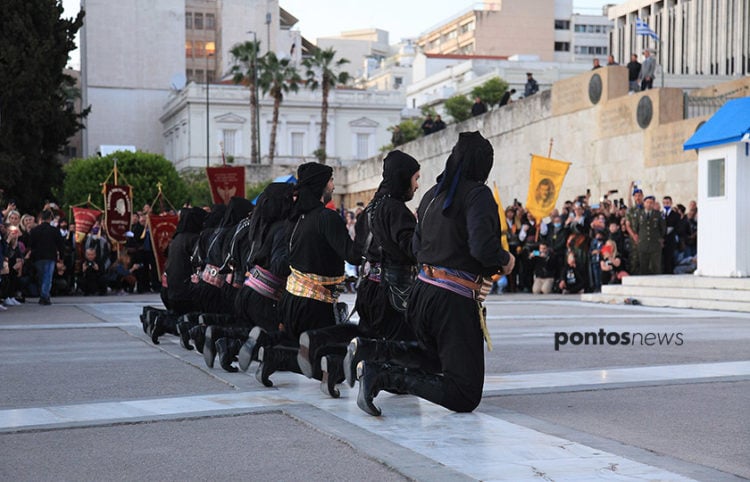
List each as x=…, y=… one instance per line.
x=457, y=242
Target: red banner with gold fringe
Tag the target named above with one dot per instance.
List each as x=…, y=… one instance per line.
x=161, y=229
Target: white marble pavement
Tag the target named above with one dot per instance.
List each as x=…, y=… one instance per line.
x=481, y=446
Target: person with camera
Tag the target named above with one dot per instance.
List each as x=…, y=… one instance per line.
x=544, y=270
x=92, y=277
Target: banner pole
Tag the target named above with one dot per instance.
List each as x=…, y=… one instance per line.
x=549, y=154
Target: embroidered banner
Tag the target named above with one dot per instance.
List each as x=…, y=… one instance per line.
x=161, y=229
x=118, y=205
x=226, y=182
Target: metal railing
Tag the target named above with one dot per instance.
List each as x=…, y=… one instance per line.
x=698, y=106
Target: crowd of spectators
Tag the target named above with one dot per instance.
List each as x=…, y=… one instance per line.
x=582, y=246
x=577, y=248
x=91, y=266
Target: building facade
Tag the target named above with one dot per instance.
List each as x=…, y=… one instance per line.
x=357, y=125
x=545, y=29
x=134, y=53
x=696, y=37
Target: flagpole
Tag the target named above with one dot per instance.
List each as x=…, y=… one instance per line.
x=539, y=221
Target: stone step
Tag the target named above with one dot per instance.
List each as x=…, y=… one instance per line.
x=689, y=281
x=693, y=303
x=639, y=291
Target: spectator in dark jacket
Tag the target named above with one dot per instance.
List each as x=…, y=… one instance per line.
x=478, y=108
x=46, y=246
x=572, y=277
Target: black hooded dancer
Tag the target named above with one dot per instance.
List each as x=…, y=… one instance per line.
x=391, y=269
x=188, y=327
x=180, y=292
x=318, y=243
x=218, y=326
x=457, y=244
x=262, y=264
x=212, y=279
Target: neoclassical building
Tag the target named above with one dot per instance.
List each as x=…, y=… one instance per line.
x=357, y=125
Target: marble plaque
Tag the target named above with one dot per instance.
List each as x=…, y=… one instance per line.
x=663, y=144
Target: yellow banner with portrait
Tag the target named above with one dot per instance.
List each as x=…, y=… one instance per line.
x=545, y=181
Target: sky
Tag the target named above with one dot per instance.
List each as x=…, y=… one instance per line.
x=400, y=18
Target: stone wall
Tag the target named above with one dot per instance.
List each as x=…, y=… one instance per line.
x=611, y=138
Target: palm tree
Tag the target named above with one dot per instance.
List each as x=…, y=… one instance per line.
x=245, y=71
x=277, y=77
x=321, y=72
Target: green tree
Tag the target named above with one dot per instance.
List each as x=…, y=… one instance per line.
x=491, y=91
x=277, y=77
x=37, y=113
x=458, y=107
x=245, y=71
x=142, y=170
x=196, y=184
x=322, y=72
x=410, y=129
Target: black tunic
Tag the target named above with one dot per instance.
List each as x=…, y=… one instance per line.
x=320, y=243
x=466, y=236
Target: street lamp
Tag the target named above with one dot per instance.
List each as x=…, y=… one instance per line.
x=256, y=104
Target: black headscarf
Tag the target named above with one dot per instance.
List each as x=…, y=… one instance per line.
x=312, y=178
x=398, y=168
x=274, y=204
x=237, y=209
x=191, y=221
x=471, y=160
x=215, y=216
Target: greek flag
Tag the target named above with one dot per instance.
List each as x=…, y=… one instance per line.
x=642, y=28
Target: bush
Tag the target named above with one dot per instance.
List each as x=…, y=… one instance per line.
x=491, y=91
x=458, y=107
x=142, y=170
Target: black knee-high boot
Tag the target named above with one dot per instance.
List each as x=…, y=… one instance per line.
x=198, y=335
x=164, y=323
x=332, y=373
x=184, y=324
x=314, y=344
x=227, y=350
x=257, y=338
x=216, y=332
x=374, y=377
x=404, y=353
x=273, y=359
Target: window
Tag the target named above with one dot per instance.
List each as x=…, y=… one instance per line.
x=210, y=76
x=210, y=21
x=452, y=34
x=198, y=21
x=363, y=146
x=198, y=76
x=298, y=144
x=716, y=178
x=562, y=46
x=562, y=24
x=188, y=49
x=189, y=75
x=198, y=49
x=397, y=82
x=210, y=49
x=228, y=138
x=467, y=27
x=189, y=20
x=580, y=28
